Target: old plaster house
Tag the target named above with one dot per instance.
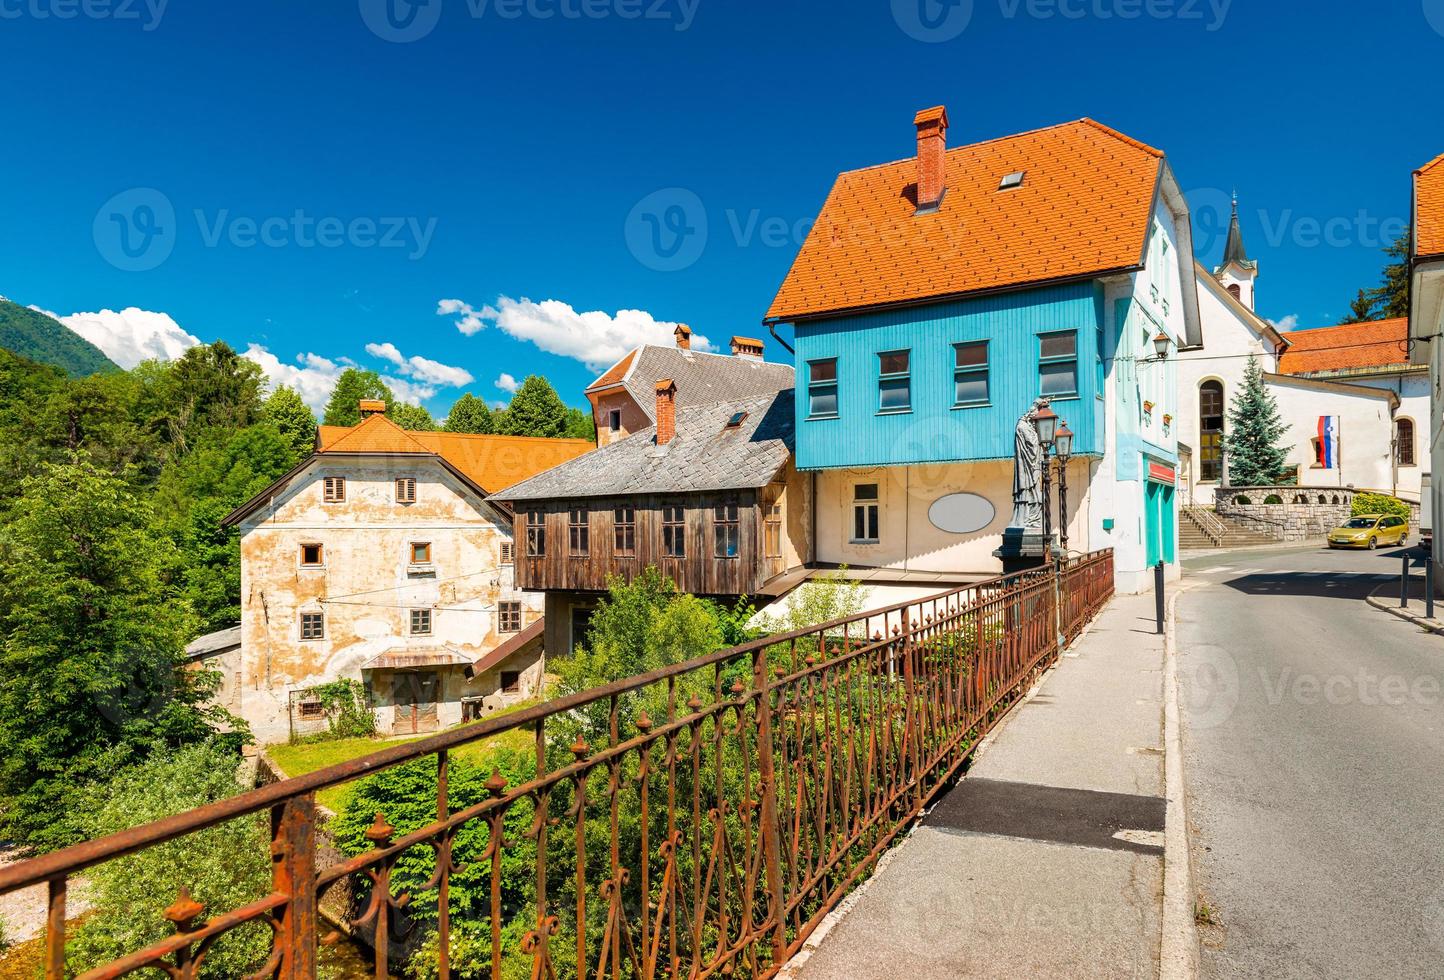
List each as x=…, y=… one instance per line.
x=383, y=558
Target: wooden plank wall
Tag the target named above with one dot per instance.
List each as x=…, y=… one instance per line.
x=699, y=572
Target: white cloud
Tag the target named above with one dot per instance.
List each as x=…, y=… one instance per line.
x=1290, y=322
x=130, y=336
x=313, y=377
x=507, y=383
x=423, y=369
x=595, y=338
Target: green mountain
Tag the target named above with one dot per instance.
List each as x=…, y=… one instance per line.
x=45, y=339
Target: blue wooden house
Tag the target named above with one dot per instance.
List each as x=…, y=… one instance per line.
x=937, y=296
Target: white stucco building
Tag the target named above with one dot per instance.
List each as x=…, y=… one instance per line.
x=1426, y=320
x=1358, y=376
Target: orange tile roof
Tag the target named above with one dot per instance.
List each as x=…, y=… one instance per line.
x=1084, y=207
x=492, y=462
x=616, y=372
x=1350, y=346
x=1429, y=209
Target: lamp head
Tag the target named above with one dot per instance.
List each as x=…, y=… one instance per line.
x=1047, y=425
x=1063, y=440
x=1160, y=344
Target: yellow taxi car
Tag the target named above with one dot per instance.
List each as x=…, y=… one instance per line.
x=1369, y=531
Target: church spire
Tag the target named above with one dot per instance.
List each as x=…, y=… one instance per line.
x=1233, y=250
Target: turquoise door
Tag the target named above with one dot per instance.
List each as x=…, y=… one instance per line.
x=1170, y=530
x=1152, y=521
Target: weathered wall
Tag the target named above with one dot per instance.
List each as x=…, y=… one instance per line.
x=633, y=418
x=1305, y=512
x=367, y=586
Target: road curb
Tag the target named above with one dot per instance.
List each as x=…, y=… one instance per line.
x=1432, y=625
x=1178, y=949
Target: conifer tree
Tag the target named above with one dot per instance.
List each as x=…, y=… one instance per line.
x=1256, y=455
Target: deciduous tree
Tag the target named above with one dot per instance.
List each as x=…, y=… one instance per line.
x=470, y=414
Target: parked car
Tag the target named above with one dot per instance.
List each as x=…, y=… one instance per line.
x=1369, y=531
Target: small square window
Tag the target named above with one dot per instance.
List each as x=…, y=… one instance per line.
x=508, y=552
x=421, y=622
x=421, y=552
x=511, y=682
x=313, y=626
x=508, y=617
x=311, y=709
x=312, y=556
x=334, y=489
x=406, y=490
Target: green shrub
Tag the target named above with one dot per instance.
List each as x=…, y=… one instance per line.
x=223, y=867
x=1273, y=498
x=1380, y=503
x=348, y=712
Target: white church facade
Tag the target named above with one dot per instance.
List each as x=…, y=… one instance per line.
x=1357, y=411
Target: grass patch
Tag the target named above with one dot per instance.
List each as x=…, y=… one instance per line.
x=1205, y=914
x=297, y=760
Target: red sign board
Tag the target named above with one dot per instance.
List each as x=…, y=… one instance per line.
x=1160, y=473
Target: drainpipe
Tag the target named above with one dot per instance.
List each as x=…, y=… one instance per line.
x=772, y=329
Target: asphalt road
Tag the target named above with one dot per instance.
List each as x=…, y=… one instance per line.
x=1313, y=730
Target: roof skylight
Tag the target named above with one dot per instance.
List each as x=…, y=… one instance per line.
x=1014, y=179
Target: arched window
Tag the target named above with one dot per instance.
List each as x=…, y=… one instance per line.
x=1210, y=431
x=1404, y=442
x=1236, y=291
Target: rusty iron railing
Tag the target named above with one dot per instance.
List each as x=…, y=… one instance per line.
x=695, y=820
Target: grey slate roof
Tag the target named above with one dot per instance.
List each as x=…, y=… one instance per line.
x=702, y=456
x=211, y=644
x=701, y=378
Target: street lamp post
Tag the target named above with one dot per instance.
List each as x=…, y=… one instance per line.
x=1063, y=446
x=1047, y=425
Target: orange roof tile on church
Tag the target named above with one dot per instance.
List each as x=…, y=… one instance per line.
x=1083, y=208
x=1347, y=347
x=1429, y=209
x=491, y=462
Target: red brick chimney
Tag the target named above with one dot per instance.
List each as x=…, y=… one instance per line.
x=683, y=333
x=747, y=347
x=666, y=411
x=371, y=406
x=932, y=127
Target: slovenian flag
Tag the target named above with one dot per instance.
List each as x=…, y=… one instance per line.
x=1329, y=441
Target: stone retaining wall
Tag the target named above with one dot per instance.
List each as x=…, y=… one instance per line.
x=1297, y=513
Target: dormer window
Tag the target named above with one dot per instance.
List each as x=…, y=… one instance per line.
x=1012, y=180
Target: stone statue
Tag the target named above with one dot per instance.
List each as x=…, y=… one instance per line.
x=1028, y=465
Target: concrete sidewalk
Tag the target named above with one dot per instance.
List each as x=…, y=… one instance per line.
x=1047, y=860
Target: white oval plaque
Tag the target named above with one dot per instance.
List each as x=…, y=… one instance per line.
x=961, y=513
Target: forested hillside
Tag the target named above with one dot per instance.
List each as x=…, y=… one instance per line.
x=42, y=338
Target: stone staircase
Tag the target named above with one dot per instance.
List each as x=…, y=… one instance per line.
x=1201, y=528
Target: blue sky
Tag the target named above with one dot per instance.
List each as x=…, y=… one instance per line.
x=316, y=178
